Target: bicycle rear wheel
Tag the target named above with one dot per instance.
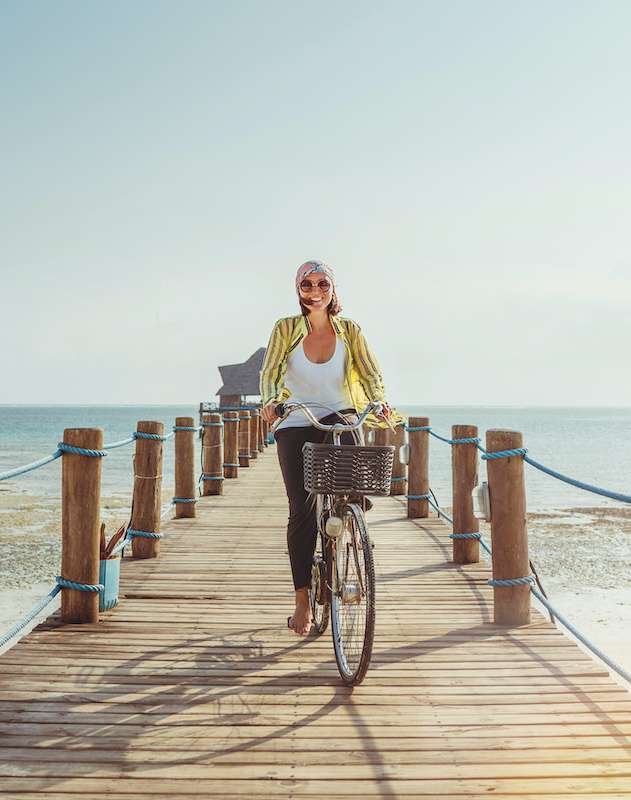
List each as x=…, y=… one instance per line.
x=353, y=597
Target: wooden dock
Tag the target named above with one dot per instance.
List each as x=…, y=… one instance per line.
x=193, y=686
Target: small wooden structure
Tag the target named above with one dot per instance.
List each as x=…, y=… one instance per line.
x=240, y=381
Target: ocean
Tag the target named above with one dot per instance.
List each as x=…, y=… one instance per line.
x=591, y=444
x=580, y=542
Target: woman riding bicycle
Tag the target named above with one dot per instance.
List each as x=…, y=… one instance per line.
x=319, y=359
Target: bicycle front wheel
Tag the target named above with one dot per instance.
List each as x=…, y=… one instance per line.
x=353, y=597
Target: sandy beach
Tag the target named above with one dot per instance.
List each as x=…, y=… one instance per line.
x=582, y=555
x=30, y=547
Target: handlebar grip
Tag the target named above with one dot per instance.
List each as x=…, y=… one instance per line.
x=280, y=410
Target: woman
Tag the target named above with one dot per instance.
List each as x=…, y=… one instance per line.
x=321, y=358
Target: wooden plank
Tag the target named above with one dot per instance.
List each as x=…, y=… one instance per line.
x=192, y=686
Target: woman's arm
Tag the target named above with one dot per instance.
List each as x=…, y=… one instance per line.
x=367, y=365
x=274, y=365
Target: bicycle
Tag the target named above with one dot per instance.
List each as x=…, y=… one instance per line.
x=343, y=574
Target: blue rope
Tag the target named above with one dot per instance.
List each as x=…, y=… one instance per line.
x=465, y=440
x=439, y=511
x=232, y=465
x=398, y=478
x=465, y=536
x=611, y=664
x=156, y=437
x=121, y=545
x=624, y=498
x=231, y=419
x=166, y=510
x=81, y=587
x=184, y=499
x=11, y=473
x=80, y=451
x=205, y=477
x=417, y=496
x=37, y=609
x=185, y=428
x=119, y=444
x=213, y=424
x=132, y=533
x=518, y=451
x=442, y=438
x=529, y=580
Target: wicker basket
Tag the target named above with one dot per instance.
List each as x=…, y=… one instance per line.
x=347, y=468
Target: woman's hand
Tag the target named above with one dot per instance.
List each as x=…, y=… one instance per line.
x=386, y=410
x=268, y=412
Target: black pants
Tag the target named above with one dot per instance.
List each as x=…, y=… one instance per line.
x=302, y=525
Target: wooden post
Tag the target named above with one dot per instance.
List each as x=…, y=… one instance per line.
x=231, y=425
x=244, y=438
x=418, y=468
x=399, y=469
x=509, y=534
x=80, y=524
x=464, y=471
x=147, y=490
x=254, y=433
x=212, y=454
x=185, y=467
x=265, y=432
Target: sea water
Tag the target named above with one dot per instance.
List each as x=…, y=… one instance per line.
x=591, y=444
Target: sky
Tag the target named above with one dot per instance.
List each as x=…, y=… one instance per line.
x=463, y=166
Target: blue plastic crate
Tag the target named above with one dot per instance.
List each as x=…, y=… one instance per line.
x=109, y=576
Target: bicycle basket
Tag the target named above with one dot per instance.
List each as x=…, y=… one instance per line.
x=347, y=468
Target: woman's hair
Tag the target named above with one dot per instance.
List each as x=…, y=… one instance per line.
x=333, y=308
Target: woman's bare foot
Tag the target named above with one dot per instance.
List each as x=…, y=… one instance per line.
x=300, y=622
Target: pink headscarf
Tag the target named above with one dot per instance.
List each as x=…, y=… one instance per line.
x=313, y=266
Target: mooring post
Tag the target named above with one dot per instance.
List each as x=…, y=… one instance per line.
x=244, y=438
x=509, y=534
x=418, y=468
x=80, y=524
x=399, y=469
x=231, y=425
x=254, y=433
x=464, y=471
x=184, y=467
x=145, y=517
x=212, y=454
x=264, y=432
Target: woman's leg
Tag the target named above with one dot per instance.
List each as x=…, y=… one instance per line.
x=301, y=526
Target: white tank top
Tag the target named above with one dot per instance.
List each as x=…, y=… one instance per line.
x=316, y=383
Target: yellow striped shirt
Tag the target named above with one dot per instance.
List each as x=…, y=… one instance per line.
x=363, y=375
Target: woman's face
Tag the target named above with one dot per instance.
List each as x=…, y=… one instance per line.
x=316, y=290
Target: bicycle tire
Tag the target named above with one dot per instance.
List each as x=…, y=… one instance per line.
x=353, y=550
x=319, y=589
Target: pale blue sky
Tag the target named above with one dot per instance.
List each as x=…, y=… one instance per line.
x=464, y=166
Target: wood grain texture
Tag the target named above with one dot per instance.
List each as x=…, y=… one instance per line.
x=185, y=467
x=194, y=687
x=80, y=523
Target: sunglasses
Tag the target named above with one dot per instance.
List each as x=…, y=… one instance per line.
x=307, y=286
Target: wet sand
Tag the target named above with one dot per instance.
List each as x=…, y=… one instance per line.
x=30, y=547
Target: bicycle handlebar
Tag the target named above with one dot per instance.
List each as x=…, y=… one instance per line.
x=283, y=410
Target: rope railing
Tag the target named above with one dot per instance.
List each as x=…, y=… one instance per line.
x=12, y=473
x=522, y=451
x=532, y=581
x=63, y=448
